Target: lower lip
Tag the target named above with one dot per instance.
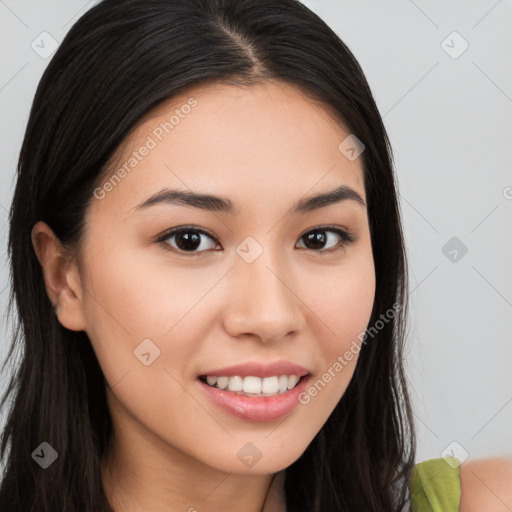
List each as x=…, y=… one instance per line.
x=257, y=409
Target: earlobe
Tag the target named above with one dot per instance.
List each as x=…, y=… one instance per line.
x=61, y=277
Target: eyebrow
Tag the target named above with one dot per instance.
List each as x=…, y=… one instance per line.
x=222, y=204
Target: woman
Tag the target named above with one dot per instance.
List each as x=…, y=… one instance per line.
x=209, y=271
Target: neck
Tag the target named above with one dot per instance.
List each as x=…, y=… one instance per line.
x=140, y=480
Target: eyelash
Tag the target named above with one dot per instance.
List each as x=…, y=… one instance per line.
x=345, y=237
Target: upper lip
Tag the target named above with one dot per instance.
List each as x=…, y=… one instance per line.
x=260, y=370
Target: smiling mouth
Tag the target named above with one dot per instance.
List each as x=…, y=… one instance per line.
x=253, y=386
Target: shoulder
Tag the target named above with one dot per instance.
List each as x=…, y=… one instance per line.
x=486, y=485
x=435, y=485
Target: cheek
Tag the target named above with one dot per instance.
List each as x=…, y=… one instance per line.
x=344, y=301
x=135, y=292
x=346, y=305
x=132, y=299
x=342, y=308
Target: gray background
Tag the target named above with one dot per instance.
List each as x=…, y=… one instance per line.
x=448, y=115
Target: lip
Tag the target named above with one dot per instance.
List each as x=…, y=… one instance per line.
x=260, y=370
x=256, y=409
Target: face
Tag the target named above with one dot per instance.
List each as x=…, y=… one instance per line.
x=264, y=283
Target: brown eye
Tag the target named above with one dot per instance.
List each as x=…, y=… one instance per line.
x=191, y=241
x=188, y=240
x=319, y=240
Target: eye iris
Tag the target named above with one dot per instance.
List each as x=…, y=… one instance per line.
x=188, y=240
x=317, y=239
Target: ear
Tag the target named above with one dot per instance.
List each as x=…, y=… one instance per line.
x=61, y=277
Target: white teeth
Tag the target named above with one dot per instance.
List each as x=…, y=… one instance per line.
x=222, y=382
x=254, y=386
x=270, y=385
x=283, y=383
x=211, y=380
x=236, y=384
x=292, y=381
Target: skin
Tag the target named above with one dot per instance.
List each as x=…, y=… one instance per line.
x=485, y=485
x=264, y=147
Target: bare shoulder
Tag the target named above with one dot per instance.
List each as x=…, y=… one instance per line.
x=486, y=485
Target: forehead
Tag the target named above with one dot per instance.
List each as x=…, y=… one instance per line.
x=256, y=138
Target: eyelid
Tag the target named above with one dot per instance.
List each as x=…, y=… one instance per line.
x=330, y=227
x=177, y=229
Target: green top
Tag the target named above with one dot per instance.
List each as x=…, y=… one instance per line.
x=435, y=485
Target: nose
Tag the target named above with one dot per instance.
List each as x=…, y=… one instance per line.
x=262, y=300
